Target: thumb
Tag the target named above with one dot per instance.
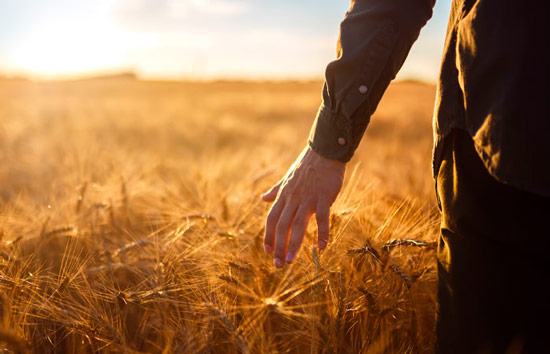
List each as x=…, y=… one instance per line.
x=270, y=195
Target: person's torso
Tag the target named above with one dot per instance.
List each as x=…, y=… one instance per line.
x=494, y=84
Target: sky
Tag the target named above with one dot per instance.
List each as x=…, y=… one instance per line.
x=193, y=39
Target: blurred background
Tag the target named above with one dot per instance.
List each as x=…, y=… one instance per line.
x=187, y=39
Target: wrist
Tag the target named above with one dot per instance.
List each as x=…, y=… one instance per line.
x=317, y=157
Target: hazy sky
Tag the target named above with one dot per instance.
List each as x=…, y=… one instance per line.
x=188, y=38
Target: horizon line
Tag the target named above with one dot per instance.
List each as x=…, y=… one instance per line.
x=133, y=75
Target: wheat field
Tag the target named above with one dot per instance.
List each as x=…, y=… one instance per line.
x=131, y=222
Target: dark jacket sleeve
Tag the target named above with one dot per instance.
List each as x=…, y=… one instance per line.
x=375, y=38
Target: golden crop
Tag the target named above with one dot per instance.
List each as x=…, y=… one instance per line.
x=130, y=222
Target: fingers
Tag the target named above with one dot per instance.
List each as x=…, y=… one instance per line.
x=281, y=234
x=271, y=225
x=322, y=216
x=270, y=195
x=283, y=218
x=299, y=226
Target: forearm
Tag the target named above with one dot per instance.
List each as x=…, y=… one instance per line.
x=375, y=38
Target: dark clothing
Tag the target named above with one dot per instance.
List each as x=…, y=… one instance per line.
x=375, y=38
x=491, y=124
x=494, y=82
x=492, y=259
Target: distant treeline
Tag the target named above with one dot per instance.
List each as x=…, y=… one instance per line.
x=126, y=75
x=13, y=78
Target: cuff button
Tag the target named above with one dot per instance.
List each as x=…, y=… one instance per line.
x=363, y=89
x=341, y=141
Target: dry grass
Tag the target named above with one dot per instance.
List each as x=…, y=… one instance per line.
x=130, y=222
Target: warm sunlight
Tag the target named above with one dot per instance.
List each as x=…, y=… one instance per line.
x=259, y=176
x=186, y=39
x=66, y=49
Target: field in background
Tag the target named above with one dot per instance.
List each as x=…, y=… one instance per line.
x=130, y=222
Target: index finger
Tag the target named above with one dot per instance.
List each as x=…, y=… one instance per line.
x=271, y=225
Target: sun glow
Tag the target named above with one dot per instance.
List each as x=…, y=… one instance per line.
x=69, y=48
x=184, y=39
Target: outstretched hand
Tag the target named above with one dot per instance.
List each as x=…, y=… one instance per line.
x=309, y=187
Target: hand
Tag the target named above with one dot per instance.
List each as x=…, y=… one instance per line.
x=309, y=187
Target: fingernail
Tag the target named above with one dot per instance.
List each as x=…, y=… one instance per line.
x=278, y=263
x=268, y=249
x=322, y=244
x=289, y=257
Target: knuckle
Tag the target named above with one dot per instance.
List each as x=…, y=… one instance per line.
x=272, y=216
x=281, y=237
x=298, y=220
x=311, y=169
x=276, y=205
x=296, y=238
x=321, y=213
x=288, y=191
x=269, y=232
x=269, y=228
x=283, y=225
x=280, y=245
x=270, y=222
x=293, y=193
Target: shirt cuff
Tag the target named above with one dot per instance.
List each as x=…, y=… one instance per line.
x=330, y=135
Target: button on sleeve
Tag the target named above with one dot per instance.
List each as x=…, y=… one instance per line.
x=375, y=37
x=330, y=135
